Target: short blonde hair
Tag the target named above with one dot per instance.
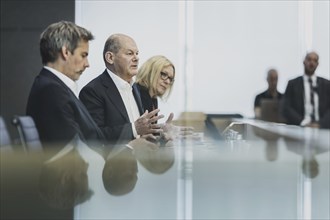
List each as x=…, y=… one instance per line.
x=149, y=74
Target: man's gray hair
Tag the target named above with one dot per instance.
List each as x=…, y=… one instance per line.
x=57, y=35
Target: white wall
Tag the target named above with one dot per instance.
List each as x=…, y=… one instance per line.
x=221, y=49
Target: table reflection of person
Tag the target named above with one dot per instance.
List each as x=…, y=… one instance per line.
x=63, y=181
x=271, y=150
x=120, y=172
x=120, y=169
x=309, y=165
x=157, y=160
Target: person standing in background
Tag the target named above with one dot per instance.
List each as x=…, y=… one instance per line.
x=307, y=97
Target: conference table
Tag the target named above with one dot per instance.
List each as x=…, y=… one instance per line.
x=236, y=168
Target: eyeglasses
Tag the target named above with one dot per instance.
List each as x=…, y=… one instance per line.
x=164, y=76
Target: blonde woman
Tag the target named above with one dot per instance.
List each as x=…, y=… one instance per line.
x=155, y=79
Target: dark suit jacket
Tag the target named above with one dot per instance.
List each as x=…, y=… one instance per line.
x=148, y=102
x=293, y=103
x=103, y=101
x=58, y=113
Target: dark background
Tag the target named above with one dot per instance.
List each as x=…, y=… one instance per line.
x=22, y=22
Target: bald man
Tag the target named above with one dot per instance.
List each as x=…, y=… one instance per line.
x=307, y=97
x=112, y=99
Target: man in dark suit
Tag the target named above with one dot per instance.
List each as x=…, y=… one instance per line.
x=112, y=101
x=53, y=102
x=307, y=97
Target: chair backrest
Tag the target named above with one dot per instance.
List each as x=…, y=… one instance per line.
x=28, y=133
x=5, y=140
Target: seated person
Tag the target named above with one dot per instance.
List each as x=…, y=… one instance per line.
x=155, y=80
x=120, y=170
x=63, y=180
x=112, y=100
x=53, y=102
x=270, y=93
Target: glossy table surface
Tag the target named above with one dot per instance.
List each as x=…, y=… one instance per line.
x=255, y=170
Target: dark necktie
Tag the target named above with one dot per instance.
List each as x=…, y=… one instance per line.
x=312, y=98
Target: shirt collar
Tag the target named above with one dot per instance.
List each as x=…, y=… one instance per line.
x=66, y=80
x=313, y=77
x=119, y=82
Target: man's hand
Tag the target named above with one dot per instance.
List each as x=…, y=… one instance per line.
x=313, y=125
x=145, y=124
x=170, y=131
x=144, y=142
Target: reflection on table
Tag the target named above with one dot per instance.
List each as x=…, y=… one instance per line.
x=227, y=169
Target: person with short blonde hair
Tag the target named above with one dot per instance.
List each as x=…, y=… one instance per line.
x=155, y=79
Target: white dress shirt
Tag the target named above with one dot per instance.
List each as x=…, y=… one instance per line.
x=73, y=86
x=126, y=92
x=308, y=106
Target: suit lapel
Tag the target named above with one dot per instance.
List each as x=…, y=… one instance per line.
x=318, y=86
x=301, y=92
x=113, y=94
x=46, y=73
x=88, y=116
x=137, y=97
x=49, y=74
x=81, y=106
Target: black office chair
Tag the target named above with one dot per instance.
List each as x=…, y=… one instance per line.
x=5, y=140
x=28, y=133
